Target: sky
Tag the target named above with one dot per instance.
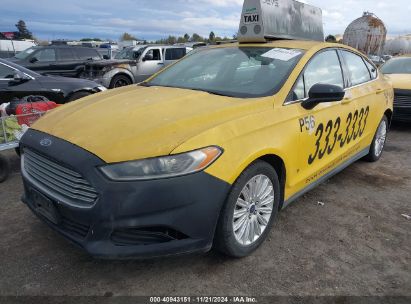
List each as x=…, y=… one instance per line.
x=154, y=19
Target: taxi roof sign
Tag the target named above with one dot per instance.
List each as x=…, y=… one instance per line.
x=263, y=20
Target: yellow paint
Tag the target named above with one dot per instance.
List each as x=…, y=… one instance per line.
x=138, y=122
x=400, y=81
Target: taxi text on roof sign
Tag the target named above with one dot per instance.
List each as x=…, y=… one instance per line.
x=263, y=20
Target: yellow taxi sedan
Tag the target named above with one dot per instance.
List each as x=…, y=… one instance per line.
x=207, y=151
x=398, y=70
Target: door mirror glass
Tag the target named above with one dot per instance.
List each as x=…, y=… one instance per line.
x=320, y=93
x=19, y=76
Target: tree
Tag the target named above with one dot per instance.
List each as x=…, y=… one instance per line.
x=197, y=38
x=23, y=32
x=127, y=36
x=186, y=37
x=331, y=38
x=211, y=37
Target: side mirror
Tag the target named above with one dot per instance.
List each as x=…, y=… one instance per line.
x=33, y=60
x=19, y=76
x=320, y=93
x=148, y=57
x=106, y=57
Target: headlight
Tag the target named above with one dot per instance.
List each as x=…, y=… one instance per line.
x=101, y=88
x=163, y=167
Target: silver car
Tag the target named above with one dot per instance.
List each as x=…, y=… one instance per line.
x=133, y=64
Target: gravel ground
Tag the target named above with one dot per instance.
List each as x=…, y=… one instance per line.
x=356, y=244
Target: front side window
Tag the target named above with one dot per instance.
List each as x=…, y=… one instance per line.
x=6, y=72
x=358, y=70
x=232, y=71
x=324, y=68
x=45, y=55
x=153, y=55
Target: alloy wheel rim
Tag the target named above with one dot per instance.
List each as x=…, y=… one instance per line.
x=253, y=210
x=120, y=83
x=380, y=138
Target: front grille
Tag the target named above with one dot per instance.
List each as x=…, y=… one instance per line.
x=63, y=184
x=402, y=100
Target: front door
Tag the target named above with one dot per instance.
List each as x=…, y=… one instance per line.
x=151, y=63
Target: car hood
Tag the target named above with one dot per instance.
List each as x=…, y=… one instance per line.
x=400, y=81
x=111, y=62
x=137, y=122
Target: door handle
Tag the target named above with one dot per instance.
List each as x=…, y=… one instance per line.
x=379, y=91
x=160, y=63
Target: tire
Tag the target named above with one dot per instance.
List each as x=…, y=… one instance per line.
x=78, y=95
x=120, y=81
x=228, y=240
x=4, y=168
x=378, y=142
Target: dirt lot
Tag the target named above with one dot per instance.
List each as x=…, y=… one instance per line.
x=356, y=244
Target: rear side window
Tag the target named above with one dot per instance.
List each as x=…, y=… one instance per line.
x=6, y=72
x=46, y=55
x=87, y=54
x=358, y=70
x=66, y=54
x=175, y=54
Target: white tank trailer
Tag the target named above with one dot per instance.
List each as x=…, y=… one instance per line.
x=398, y=46
x=263, y=20
x=367, y=34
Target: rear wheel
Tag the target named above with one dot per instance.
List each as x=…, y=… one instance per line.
x=4, y=168
x=249, y=211
x=378, y=142
x=120, y=81
x=78, y=95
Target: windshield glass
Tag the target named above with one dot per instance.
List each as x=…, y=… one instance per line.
x=130, y=53
x=400, y=65
x=235, y=71
x=26, y=53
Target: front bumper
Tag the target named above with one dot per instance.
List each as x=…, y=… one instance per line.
x=128, y=219
x=402, y=105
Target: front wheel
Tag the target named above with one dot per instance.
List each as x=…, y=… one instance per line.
x=378, y=142
x=120, y=81
x=249, y=211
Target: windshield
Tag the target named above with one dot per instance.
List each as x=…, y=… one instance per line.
x=400, y=65
x=130, y=53
x=235, y=71
x=26, y=53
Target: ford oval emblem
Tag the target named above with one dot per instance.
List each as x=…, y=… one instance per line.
x=46, y=142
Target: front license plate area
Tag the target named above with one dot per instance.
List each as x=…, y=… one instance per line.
x=45, y=207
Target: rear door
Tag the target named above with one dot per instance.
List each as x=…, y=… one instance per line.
x=66, y=62
x=367, y=93
x=83, y=56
